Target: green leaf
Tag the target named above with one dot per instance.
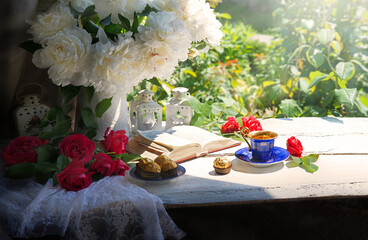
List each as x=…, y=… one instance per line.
x=125, y=22
x=360, y=65
x=346, y=96
x=69, y=92
x=88, y=117
x=102, y=107
x=89, y=11
x=217, y=108
x=45, y=167
x=310, y=167
x=91, y=27
x=292, y=164
x=206, y=108
x=113, y=30
x=20, y=171
x=135, y=23
x=329, y=99
x=62, y=162
x=30, y=46
x=289, y=107
x=325, y=36
x=345, y=70
x=336, y=46
x=315, y=57
x=317, y=79
x=106, y=21
x=89, y=93
x=91, y=133
x=46, y=153
x=194, y=103
x=51, y=115
x=127, y=157
x=296, y=159
x=155, y=81
x=303, y=84
x=66, y=108
x=61, y=129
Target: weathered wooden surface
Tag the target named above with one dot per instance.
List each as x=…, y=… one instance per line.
x=343, y=168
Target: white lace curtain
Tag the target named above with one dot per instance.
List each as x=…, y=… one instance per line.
x=111, y=208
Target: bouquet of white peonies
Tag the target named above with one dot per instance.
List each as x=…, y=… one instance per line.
x=114, y=44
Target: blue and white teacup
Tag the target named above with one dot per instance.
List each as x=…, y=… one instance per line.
x=261, y=143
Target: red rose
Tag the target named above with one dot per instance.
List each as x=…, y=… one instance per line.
x=120, y=167
x=230, y=126
x=294, y=147
x=77, y=147
x=115, y=141
x=21, y=149
x=103, y=165
x=74, y=177
x=252, y=123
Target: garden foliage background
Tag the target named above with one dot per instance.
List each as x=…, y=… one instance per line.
x=316, y=64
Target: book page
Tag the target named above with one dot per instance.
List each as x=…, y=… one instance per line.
x=165, y=139
x=209, y=141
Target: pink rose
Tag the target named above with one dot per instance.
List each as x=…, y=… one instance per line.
x=77, y=147
x=22, y=149
x=294, y=147
x=74, y=177
x=114, y=141
x=103, y=165
x=230, y=126
x=252, y=123
x=120, y=167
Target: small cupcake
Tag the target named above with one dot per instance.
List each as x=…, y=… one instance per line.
x=222, y=165
x=169, y=168
x=148, y=169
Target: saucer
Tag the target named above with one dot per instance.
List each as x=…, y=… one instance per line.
x=279, y=155
x=134, y=174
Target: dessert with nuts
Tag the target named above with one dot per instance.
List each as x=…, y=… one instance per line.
x=222, y=165
x=169, y=168
x=148, y=169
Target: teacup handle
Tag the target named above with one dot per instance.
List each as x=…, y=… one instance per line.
x=244, y=131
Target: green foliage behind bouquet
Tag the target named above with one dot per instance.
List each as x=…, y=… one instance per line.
x=315, y=66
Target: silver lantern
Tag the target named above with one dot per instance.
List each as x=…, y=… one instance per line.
x=145, y=114
x=178, y=111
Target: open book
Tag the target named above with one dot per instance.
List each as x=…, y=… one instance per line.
x=180, y=143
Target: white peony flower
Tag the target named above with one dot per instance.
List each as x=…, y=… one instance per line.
x=166, y=42
x=81, y=5
x=66, y=55
x=117, y=65
x=47, y=24
x=114, y=7
x=201, y=21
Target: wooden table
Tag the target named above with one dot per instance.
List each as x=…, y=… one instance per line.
x=343, y=168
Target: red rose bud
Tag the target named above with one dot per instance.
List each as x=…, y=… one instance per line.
x=252, y=123
x=77, y=147
x=74, y=177
x=22, y=149
x=294, y=147
x=103, y=165
x=230, y=126
x=120, y=167
x=114, y=141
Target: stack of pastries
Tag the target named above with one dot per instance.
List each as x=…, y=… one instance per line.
x=161, y=167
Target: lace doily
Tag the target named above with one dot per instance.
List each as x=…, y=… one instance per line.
x=111, y=208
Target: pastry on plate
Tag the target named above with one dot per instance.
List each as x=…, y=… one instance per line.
x=148, y=169
x=169, y=168
x=222, y=165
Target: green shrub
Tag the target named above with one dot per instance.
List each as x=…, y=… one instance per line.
x=315, y=66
